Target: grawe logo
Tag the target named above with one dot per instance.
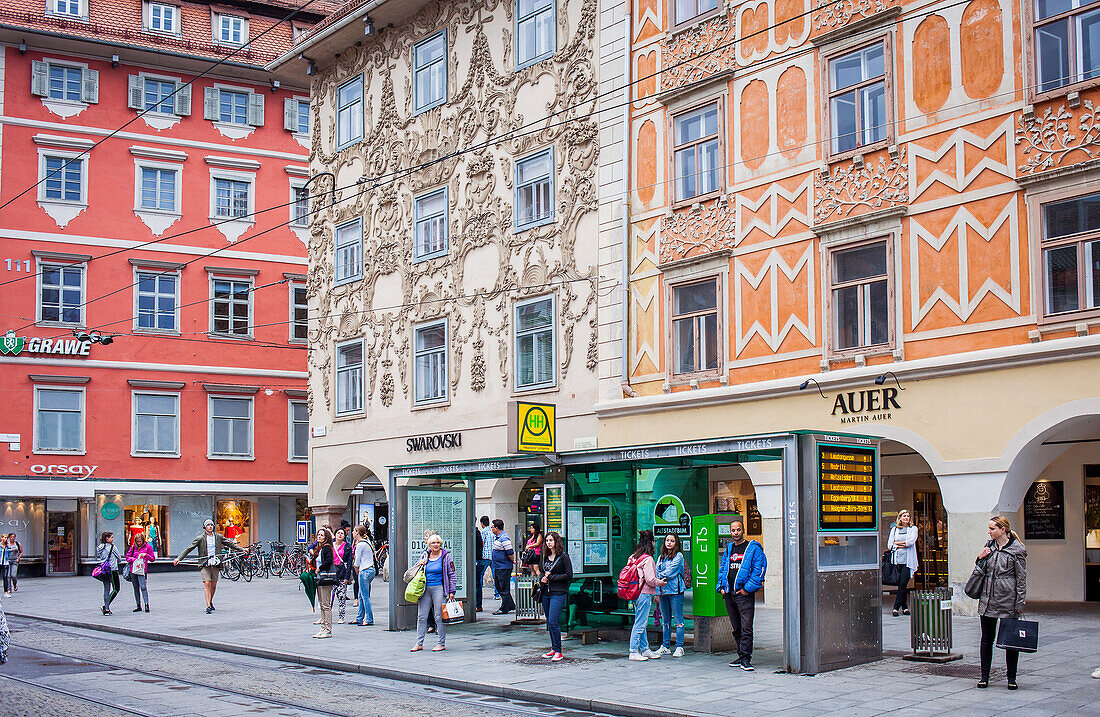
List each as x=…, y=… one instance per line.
x=11, y=344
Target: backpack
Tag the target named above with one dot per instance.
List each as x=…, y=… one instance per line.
x=630, y=580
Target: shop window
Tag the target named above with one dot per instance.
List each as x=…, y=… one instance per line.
x=233, y=519
x=430, y=72
x=535, y=344
x=697, y=152
x=156, y=424
x=349, y=378
x=430, y=225
x=536, y=34
x=25, y=518
x=231, y=307
x=61, y=294
x=299, y=430
x=348, y=262
x=430, y=363
x=150, y=521
x=299, y=314
x=535, y=190
x=230, y=427
x=696, y=322
x=1071, y=255
x=58, y=420
x=689, y=10
x=349, y=112
x=860, y=296
x=1067, y=42
x=858, y=110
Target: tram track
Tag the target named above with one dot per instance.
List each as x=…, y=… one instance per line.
x=74, y=695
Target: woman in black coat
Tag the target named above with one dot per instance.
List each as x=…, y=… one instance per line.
x=557, y=573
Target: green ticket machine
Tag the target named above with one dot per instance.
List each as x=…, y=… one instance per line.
x=709, y=535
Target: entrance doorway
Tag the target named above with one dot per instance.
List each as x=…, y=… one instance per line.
x=61, y=543
x=931, y=518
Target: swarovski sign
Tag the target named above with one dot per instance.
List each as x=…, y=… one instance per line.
x=13, y=345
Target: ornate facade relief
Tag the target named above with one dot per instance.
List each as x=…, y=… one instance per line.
x=847, y=188
x=1047, y=139
x=833, y=14
x=696, y=232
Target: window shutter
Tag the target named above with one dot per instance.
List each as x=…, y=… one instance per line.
x=90, y=86
x=183, y=99
x=210, y=103
x=256, y=109
x=39, y=78
x=290, y=114
x=136, y=92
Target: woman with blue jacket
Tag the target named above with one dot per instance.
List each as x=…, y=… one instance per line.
x=441, y=584
x=740, y=575
x=670, y=568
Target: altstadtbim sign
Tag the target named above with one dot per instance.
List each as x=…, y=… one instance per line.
x=13, y=345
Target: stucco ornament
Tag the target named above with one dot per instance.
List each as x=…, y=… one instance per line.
x=704, y=49
x=831, y=15
x=1048, y=138
x=846, y=187
x=467, y=145
x=693, y=232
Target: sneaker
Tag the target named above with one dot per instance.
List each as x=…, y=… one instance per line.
x=439, y=648
x=662, y=650
x=210, y=610
x=340, y=621
x=146, y=608
x=1096, y=674
x=550, y=654
x=679, y=652
x=323, y=634
x=558, y=657
x=650, y=654
x=137, y=609
x=318, y=621
x=745, y=665
x=636, y=657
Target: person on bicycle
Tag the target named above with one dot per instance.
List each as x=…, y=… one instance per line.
x=209, y=546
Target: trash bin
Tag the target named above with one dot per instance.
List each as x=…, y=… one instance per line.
x=930, y=623
x=527, y=608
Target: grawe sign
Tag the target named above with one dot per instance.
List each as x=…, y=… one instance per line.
x=13, y=345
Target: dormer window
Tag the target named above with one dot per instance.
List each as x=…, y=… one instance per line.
x=67, y=8
x=230, y=30
x=160, y=17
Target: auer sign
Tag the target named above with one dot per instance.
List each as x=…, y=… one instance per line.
x=876, y=404
x=13, y=345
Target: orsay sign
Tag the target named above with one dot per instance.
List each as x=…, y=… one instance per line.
x=434, y=442
x=13, y=345
x=875, y=404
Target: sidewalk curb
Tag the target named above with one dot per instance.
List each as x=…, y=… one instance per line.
x=576, y=703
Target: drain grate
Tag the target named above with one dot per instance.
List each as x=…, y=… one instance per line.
x=968, y=672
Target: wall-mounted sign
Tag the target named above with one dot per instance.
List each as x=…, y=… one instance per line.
x=532, y=427
x=671, y=518
x=875, y=404
x=847, y=488
x=1045, y=511
x=13, y=345
x=109, y=510
x=433, y=443
x=302, y=535
x=61, y=469
x=554, y=498
x=318, y=431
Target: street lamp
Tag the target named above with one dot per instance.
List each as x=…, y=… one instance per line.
x=805, y=384
x=882, y=379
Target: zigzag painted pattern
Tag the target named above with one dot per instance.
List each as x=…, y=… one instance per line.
x=775, y=263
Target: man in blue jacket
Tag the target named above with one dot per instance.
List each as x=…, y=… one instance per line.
x=740, y=575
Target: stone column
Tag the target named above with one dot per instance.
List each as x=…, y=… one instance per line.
x=970, y=499
x=329, y=515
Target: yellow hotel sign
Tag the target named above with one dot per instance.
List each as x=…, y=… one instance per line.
x=532, y=427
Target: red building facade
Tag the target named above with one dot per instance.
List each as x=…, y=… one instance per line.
x=152, y=275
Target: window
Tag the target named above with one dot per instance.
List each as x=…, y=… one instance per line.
x=349, y=378
x=156, y=423
x=238, y=107
x=61, y=294
x=299, y=208
x=299, y=313
x=857, y=98
x=535, y=190
x=233, y=107
x=535, y=32
x=158, y=96
x=230, y=427
x=349, y=252
x=859, y=284
x=231, y=197
x=64, y=82
x=162, y=18
x=303, y=116
x=64, y=179
x=535, y=345
x=696, y=344
x=232, y=307
x=299, y=430
x=72, y=8
x=430, y=363
x=59, y=419
x=430, y=72
x=1067, y=42
x=230, y=30
x=158, y=189
x=430, y=225
x=687, y=10
x=1071, y=255
x=157, y=302
x=349, y=112
x=697, y=152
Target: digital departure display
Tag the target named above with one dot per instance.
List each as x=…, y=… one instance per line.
x=847, y=496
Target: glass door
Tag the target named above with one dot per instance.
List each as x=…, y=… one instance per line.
x=932, y=541
x=61, y=543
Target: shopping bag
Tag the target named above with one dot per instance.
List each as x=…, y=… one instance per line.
x=415, y=588
x=1020, y=635
x=453, y=612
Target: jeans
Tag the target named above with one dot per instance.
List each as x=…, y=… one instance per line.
x=741, y=609
x=110, y=589
x=502, y=577
x=989, y=635
x=672, y=615
x=552, y=606
x=639, y=642
x=479, y=579
x=5, y=572
x=365, y=615
x=13, y=569
x=430, y=601
x=140, y=590
x=902, y=599
x=324, y=596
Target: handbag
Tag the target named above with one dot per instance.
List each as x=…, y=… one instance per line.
x=453, y=612
x=891, y=572
x=102, y=572
x=128, y=573
x=415, y=588
x=1016, y=634
x=536, y=591
x=976, y=582
x=528, y=556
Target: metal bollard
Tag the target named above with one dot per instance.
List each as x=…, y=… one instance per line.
x=930, y=625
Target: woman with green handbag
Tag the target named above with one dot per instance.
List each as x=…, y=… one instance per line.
x=436, y=570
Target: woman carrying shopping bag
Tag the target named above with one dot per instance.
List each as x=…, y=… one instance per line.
x=440, y=584
x=138, y=558
x=1003, y=561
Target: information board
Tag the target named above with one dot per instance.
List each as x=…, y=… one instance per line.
x=1045, y=511
x=554, y=500
x=847, y=488
x=442, y=512
x=589, y=538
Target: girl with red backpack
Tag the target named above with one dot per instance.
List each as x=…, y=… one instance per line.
x=638, y=581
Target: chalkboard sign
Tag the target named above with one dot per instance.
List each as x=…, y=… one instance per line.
x=1092, y=507
x=755, y=520
x=1045, y=511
